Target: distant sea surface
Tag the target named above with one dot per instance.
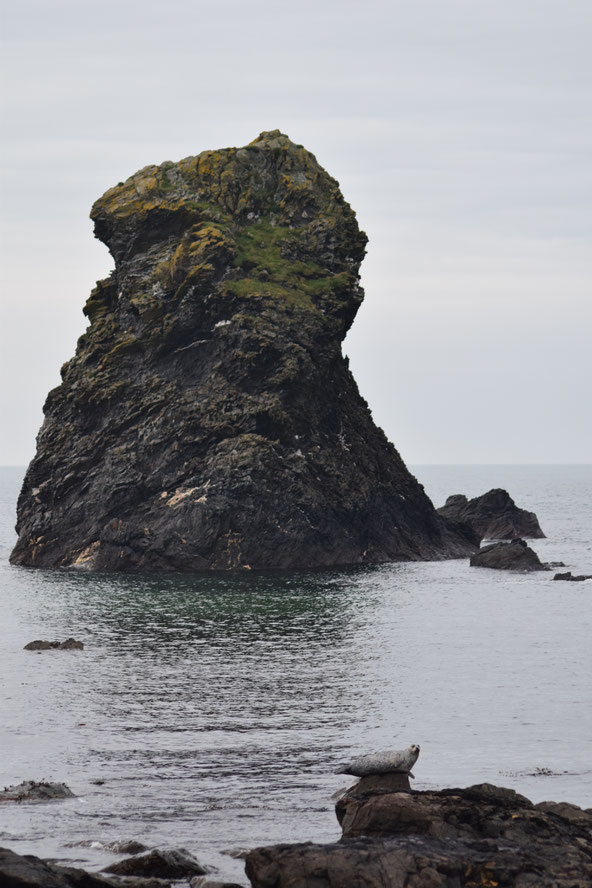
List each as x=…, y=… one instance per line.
x=215, y=708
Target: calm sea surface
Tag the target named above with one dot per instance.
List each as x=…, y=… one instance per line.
x=215, y=708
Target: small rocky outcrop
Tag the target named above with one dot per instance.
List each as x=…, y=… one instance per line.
x=174, y=864
x=70, y=644
x=571, y=578
x=36, y=791
x=480, y=836
x=492, y=516
x=208, y=419
x=517, y=556
x=118, y=846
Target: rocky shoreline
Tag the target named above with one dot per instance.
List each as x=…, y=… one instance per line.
x=482, y=835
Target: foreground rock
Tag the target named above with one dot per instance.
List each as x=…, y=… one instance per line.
x=208, y=419
x=569, y=576
x=480, y=836
x=493, y=516
x=517, y=556
x=34, y=791
x=17, y=871
x=70, y=644
x=174, y=864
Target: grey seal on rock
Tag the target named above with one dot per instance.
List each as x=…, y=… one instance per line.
x=401, y=760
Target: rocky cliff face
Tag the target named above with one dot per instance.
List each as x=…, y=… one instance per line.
x=208, y=419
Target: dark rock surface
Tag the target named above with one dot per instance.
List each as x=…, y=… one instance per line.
x=204, y=882
x=480, y=836
x=571, y=578
x=17, y=871
x=70, y=644
x=516, y=555
x=36, y=791
x=492, y=516
x=174, y=864
x=208, y=419
x=129, y=846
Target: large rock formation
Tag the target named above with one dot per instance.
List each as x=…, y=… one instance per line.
x=516, y=555
x=209, y=419
x=493, y=515
x=480, y=836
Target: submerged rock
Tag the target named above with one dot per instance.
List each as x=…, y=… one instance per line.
x=118, y=846
x=204, y=882
x=571, y=578
x=174, y=864
x=70, y=644
x=493, y=516
x=482, y=835
x=208, y=419
x=36, y=791
x=516, y=555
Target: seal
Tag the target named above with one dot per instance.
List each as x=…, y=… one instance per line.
x=400, y=760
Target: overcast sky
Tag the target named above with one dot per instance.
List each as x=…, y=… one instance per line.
x=460, y=132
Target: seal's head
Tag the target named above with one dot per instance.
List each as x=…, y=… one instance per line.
x=414, y=749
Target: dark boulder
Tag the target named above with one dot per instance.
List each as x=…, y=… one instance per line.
x=517, y=556
x=570, y=577
x=209, y=420
x=492, y=516
x=480, y=836
x=36, y=791
x=130, y=846
x=70, y=644
x=174, y=864
x=18, y=871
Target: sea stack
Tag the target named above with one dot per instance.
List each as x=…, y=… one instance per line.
x=208, y=420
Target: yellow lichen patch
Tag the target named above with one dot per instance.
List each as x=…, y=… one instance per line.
x=231, y=557
x=202, y=250
x=182, y=493
x=479, y=877
x=124, y=347
x=87, y=557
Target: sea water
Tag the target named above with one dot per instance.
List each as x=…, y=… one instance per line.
x=210, y=711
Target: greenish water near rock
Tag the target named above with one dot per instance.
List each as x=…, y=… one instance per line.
x=215, y=708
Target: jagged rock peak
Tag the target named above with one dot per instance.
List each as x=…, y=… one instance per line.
x=493, y=515
x=208, y=419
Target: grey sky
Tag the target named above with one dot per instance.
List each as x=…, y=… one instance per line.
x=460, y=132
